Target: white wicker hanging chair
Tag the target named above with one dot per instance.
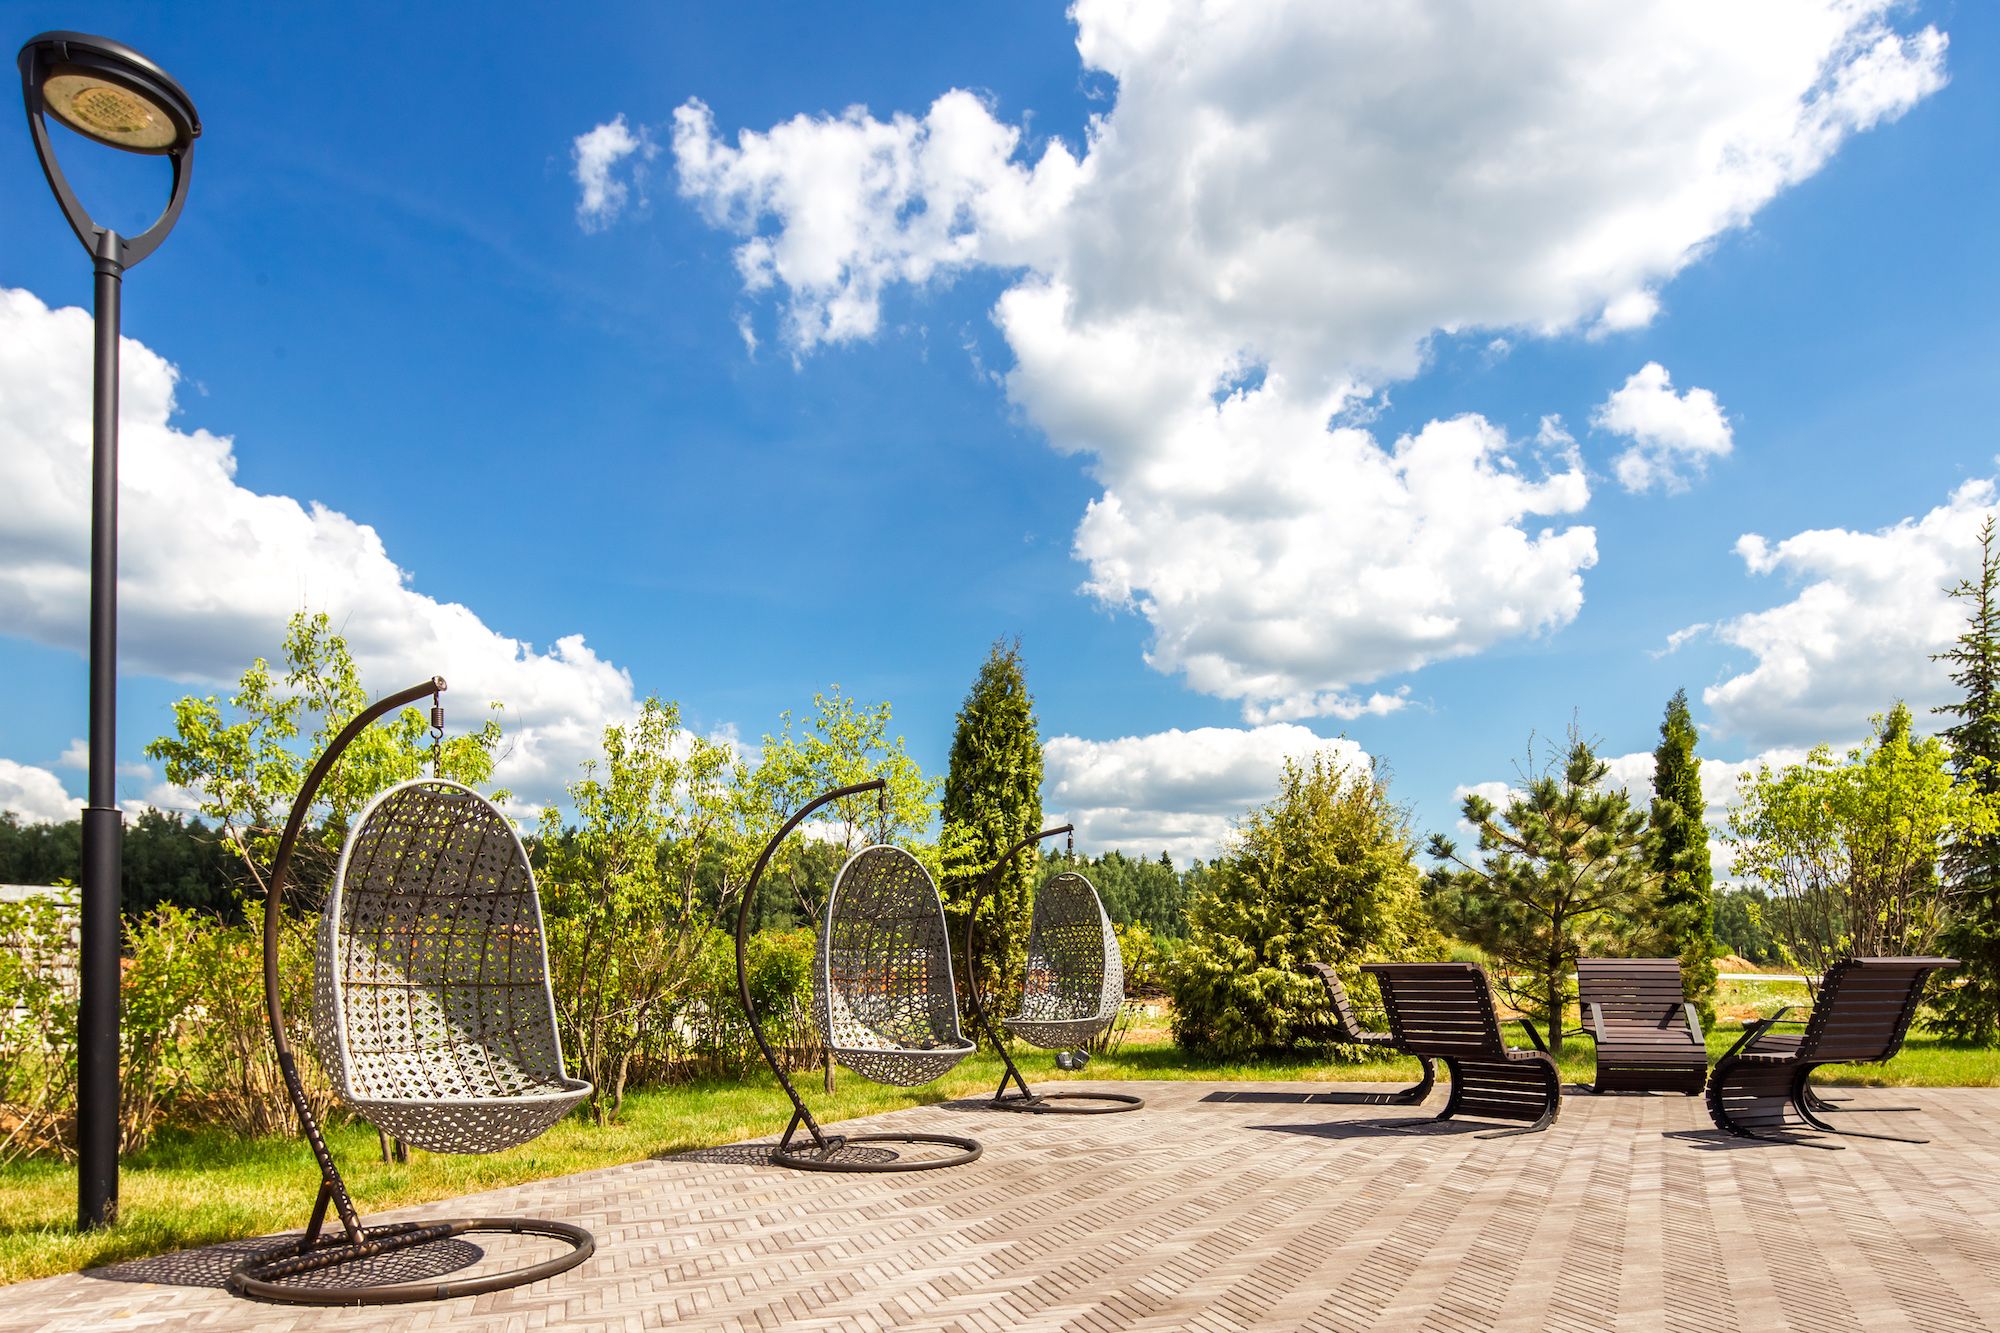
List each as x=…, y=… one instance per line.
x=1076, y=975
x=883, y=991
x=432, y=1010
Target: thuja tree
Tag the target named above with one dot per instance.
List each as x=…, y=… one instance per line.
x=1565, y=869
x=1680, y=856
x=1971, y=1010
x=993, y=798
x=621, y=888
x=1849, y=850
x=1326, y=872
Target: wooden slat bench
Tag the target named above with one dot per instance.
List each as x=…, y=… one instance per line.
x=1347, y=1027
x=1862, y=1013
x=1446, y=1011
x=1648, y=1036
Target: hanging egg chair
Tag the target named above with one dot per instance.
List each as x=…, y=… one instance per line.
x=883, y=997
x=433, y=1018
x=1074, y=987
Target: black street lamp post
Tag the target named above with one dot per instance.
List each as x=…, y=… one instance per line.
x=109, y=93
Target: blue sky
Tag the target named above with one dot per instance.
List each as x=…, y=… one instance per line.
x=1111, y=349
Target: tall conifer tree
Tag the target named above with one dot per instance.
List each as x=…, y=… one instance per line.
x=1971, y=1011
x=993, y=796
x=1680, y=855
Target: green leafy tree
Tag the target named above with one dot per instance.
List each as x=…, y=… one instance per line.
x=624, y=903
x=1680, y=855
x=1739, y=924
x=992, y=798
x=1970, y=1011
x=1849, y=851
x=245, y=771
x=167, y=859
x=1566, y=868
x=1136, y=891
x=1323, y=873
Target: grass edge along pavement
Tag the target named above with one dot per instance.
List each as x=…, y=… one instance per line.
x=203, y=1187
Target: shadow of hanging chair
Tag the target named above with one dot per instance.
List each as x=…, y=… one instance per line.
x=433, y=1018
x=1074, y=988
x=883, y=997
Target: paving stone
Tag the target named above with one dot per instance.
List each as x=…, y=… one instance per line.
x=1210, y=1211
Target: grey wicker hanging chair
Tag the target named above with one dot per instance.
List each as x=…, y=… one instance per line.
x=1076, y=975
x=434, y=1020
x=432, y=1010
x=1073, y=991
x=883, y=992
x=883, y=997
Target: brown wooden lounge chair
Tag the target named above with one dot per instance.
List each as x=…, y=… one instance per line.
x=1862, y=1012
x=1648, y=1036
x=1445, y=1010
x=1347, y=1027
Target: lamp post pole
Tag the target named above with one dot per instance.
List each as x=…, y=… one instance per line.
x=103, y=825
x=112, y=95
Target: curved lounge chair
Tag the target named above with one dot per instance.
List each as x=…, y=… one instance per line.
x=1862, y=1013
x=1347, y=1028
x=1648, y=1036
x=1446, y=1010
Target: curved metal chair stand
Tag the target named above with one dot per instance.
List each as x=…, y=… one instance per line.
x=1074, y=972
x=433, y=1016
x=899, y=1025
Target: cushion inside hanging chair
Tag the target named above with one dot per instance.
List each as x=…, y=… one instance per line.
x=432, y=1009
x=883, y=991
x=1076, y=975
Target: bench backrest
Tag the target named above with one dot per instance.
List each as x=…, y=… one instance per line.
x=1864, y=1007
x=1345, y=1021
x=1633, y=992
x=1442, y=1009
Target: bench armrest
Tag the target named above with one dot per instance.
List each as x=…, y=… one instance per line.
x=1694, y=1023
x=1534, y=1036
x=1752, y=1031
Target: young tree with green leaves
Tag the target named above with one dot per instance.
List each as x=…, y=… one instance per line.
x=1680, y=856
x=992, y=799
x=1566, y=869
x=1324, y=873
x=1970, y=1011
x=245, y=771
x=1849, y=851
x=622, y=892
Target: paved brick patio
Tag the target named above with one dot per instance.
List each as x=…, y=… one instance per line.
x=1230, y=1206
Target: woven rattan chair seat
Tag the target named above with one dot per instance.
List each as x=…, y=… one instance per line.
x=1076, y=975
x=883, y=992
x=432, y=1010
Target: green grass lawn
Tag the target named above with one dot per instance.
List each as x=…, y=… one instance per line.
x=195, y=1188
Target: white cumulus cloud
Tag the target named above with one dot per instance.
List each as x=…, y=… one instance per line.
x=1872, y=609
x=211, y=571
x=36, y=795
x=597, y=154
x=1284, y=204
x=1175, y=791
x=1673, y=436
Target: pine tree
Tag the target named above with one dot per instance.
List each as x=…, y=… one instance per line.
x=993, y=796
x=1564, y=871
x=1971, y=1011
x=1680, y=855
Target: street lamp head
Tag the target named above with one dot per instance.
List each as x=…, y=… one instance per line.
x=109, y=93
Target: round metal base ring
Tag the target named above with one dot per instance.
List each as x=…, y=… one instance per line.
x=263, y=1276
x=1039, y=1104
x=807, y=1159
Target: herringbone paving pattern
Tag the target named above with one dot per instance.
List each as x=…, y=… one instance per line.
x=1212, y=1211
